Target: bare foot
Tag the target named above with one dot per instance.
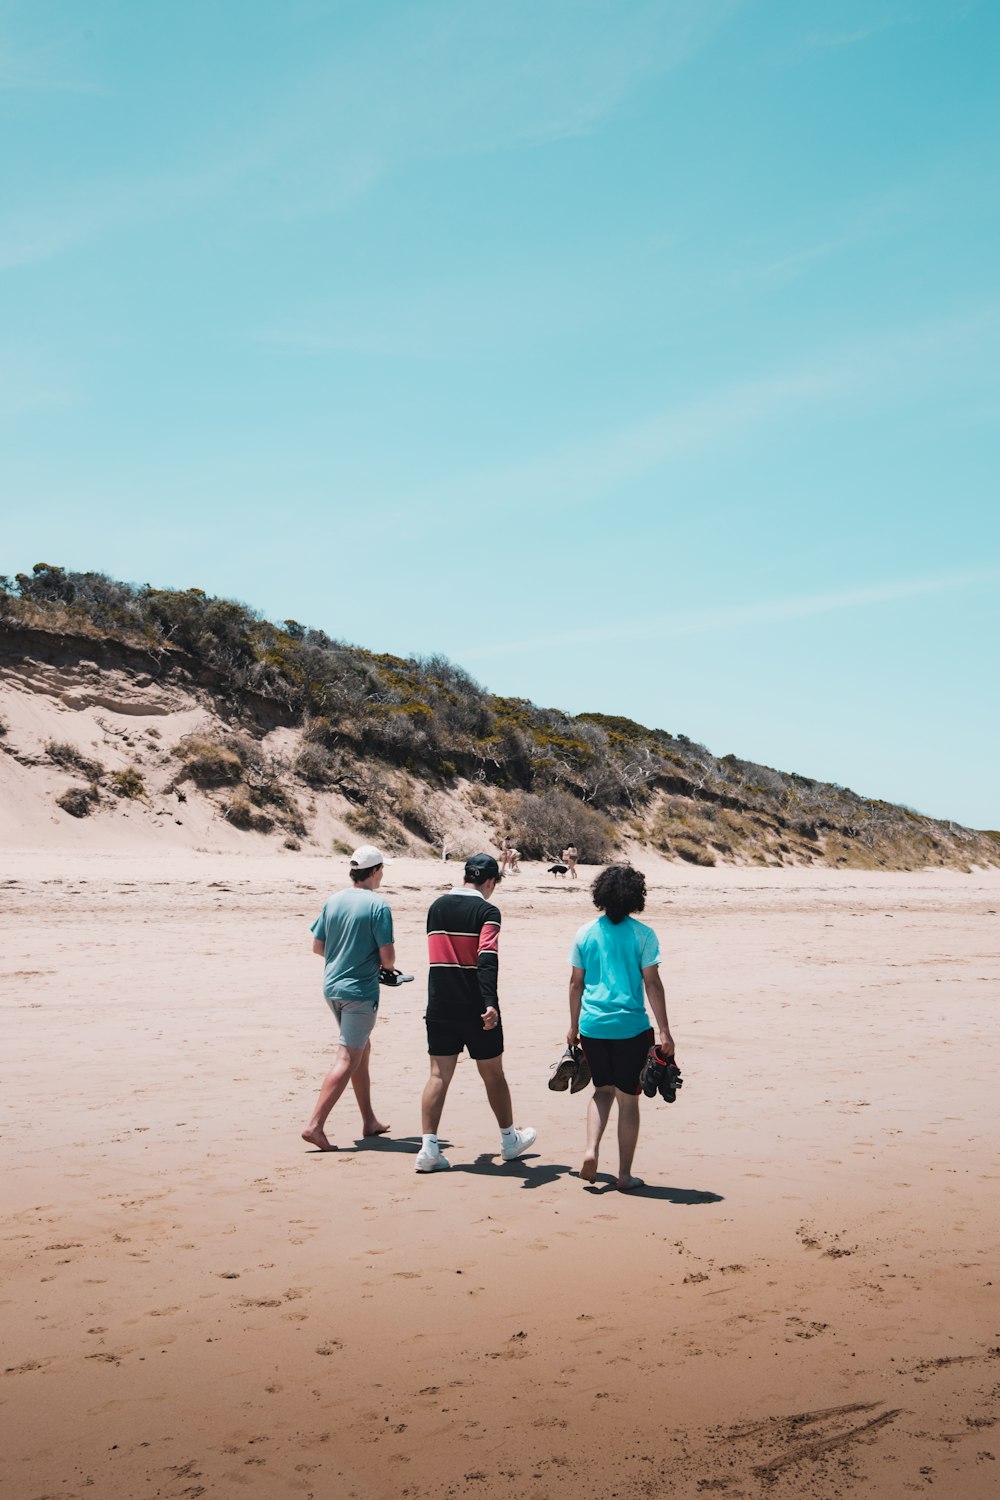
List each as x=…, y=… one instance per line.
x=318, y=1138
x=372, y=1127
x=629, y=1184
x=589, y=1169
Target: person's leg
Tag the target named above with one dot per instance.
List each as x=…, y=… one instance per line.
x=435, y=1092
x=362, y=1085
x=598, y=1113
x=497, y=1092
x=628, y=1135
x=334, y=1084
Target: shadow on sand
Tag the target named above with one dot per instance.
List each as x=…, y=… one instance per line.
x=490, y=1164
x=407, y=1144
x=683, y=1196
x=530, y=1170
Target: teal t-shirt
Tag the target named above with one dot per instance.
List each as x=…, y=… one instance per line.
x=612, y=956
x=352, y=927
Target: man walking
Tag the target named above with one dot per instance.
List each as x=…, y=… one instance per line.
x=463, y=1011
x=353, y=936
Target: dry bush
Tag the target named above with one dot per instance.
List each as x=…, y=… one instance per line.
x=78, y=801
x=243, y=813
x=419, y=818
x=543, y=825
x=695, y=854
x=128, y=783
x=208, y=761
x=4, y=726
x=362, y=820
x=72, y=759
x=316, y=765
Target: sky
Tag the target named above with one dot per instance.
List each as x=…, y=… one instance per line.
x=639, y=355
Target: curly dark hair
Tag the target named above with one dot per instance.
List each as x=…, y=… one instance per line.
x=619, y=891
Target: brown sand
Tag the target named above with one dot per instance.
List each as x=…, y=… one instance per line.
x=801, y=1302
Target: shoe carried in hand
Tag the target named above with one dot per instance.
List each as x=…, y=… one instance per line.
x=392, y=977
x=572, y=1072
x=660, y=1075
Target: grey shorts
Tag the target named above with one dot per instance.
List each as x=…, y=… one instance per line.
x=356, y=1019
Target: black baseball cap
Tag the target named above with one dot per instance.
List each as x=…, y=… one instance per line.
x=480, y=867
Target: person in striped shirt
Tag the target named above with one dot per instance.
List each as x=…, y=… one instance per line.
x=463, y=1008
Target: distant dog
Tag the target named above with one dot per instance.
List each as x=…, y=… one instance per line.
x=558, y=869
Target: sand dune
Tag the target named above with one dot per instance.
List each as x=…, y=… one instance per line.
x=801, y=1302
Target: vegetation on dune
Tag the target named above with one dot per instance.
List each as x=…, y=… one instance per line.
x=547, y=777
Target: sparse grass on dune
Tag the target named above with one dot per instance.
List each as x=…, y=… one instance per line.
x=543, y=777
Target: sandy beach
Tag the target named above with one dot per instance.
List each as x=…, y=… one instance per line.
x=800, y=1302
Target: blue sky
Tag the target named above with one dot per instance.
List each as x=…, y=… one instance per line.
x=640, y=355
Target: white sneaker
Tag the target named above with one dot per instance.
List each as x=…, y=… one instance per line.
x=431, y=1161
x=517, y=1147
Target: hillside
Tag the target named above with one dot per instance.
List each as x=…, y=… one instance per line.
x=170, y=715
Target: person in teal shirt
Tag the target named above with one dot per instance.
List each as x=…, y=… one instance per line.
x=353, y=936
x=614, y=971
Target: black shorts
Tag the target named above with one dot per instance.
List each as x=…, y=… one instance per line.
x=447, y=1035
x=617, y=1060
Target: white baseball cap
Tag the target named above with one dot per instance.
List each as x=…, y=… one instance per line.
x=367, y=857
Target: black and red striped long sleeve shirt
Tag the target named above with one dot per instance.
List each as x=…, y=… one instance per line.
x=463, y=931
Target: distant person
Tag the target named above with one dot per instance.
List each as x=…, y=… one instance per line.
x=614, y=960
x=515, y=861
x=506, y=860
x=570, y=857
x=353, y=936
x=463, y=1009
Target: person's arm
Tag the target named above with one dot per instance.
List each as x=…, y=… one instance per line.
x=384, y=935
x=319, y=947
x=653, y=985
x=575, y=1001
x=488, y=968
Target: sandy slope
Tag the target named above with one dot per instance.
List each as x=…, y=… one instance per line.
x=801, y=1303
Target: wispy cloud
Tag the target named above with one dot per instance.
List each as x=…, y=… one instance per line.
x=833, y=41
x=431, y=79
x=47, y=64
x=677, y=624
x=883, y=366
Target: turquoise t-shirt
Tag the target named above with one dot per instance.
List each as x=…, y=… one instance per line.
x=352, y=927
x=612, y=956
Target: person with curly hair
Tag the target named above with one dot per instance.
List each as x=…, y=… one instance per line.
x=614, y=963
